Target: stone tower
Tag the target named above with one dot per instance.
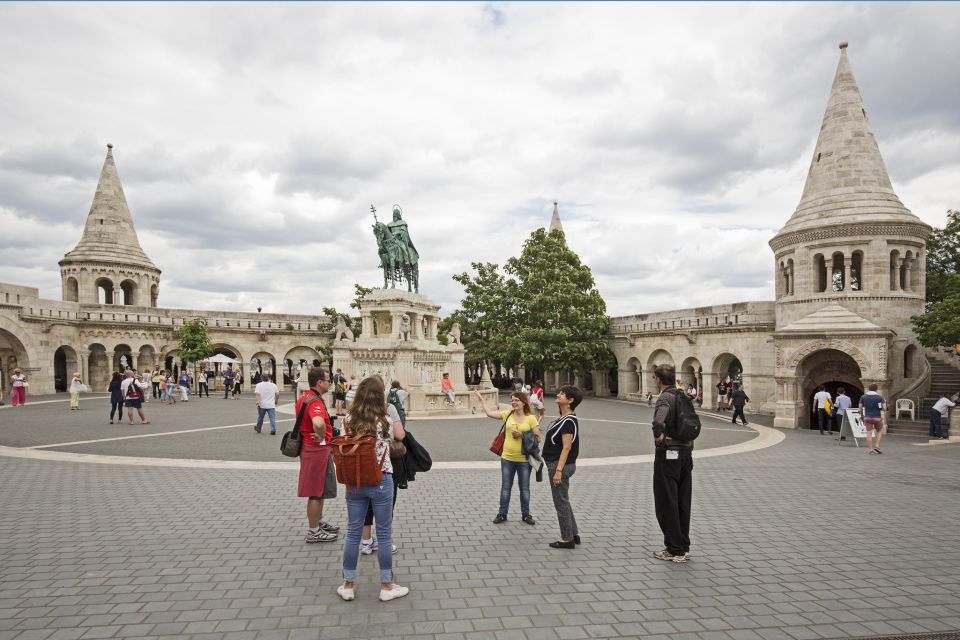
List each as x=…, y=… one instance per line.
x=849, y=269
x=108, y=266
x=555, y=220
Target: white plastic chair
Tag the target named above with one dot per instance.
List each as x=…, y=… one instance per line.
x=904, y=404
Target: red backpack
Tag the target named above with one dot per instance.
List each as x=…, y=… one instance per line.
x=355, y=457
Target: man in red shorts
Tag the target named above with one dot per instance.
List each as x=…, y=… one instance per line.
x=872, y=406
x=316, y=431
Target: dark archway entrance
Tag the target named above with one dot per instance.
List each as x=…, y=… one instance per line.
x=832, y=369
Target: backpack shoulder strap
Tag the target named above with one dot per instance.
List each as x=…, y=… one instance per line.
x=303, y=410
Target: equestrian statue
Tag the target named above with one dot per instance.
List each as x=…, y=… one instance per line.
x=398, y=257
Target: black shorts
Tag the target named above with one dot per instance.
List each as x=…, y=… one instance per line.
x=342, y=397
x=133, y=404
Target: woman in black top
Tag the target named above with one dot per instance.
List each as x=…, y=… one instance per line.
x=561, y=446
x=116, y=397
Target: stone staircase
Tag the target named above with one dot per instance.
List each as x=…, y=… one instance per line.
x=944, y=380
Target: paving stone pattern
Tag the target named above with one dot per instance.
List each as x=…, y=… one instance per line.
x=802, y=540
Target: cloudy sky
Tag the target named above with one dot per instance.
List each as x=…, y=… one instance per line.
x=252, y=138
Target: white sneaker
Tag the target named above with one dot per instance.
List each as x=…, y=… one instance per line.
x=367, y=548
x=347, y=594
x=391, y=594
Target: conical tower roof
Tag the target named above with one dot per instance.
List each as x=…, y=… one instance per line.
x=555, y=220
x=108, y=235
x=847, y=181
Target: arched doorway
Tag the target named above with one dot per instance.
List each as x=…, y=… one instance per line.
x=123, y=358
x=832, y=369
x=12, y=355
x=98, y=367
x=727, y=364
x=631, y=383
x=691, y=374
x=65, y=364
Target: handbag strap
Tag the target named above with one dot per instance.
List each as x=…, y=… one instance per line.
x=303, y=409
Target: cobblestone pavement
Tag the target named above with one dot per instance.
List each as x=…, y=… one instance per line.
x=805, y=539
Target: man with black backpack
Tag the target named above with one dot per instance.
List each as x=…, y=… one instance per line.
x=675, y=427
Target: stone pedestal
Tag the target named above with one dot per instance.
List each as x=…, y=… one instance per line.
x=398, y=341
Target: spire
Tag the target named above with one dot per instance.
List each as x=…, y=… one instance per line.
x=847, y=178
x=108, y=235
x=555, y=220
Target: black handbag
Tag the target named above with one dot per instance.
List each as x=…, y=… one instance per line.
x=291, y=442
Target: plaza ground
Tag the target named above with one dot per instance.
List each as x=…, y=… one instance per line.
x=806, y=538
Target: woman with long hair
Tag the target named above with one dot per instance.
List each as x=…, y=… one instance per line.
x=116, y=396
x=367, y=415
x=517, y=419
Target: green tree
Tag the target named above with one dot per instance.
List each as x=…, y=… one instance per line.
x=940, y=325
x=194, y=342
x=544, y=313
x=560, y=319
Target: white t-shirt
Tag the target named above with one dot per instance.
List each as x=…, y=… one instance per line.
x=943, y=406
x=125, y=384
x=268, y=394
x=822, y=397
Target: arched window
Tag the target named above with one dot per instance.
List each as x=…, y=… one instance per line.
x=915, y=271
x=856, y=271
x=71, y=292
x=820, y=273
x=894, y=270
x=909, y=355
x=836, y=272
x=104, y=291
x=790, y=277
x=129, y=289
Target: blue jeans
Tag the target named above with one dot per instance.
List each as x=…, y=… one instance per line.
x=507, y=471
x=936, y=430
x=381, y=498
x=273, y=419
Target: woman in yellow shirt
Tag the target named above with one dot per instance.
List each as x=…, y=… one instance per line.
x=518, y=419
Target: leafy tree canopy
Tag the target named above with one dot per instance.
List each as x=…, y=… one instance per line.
x=544, y=313
x=194, y=343
x=940, y=325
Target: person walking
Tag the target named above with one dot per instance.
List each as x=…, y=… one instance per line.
x=672, y=472
x=821, y=400
x=939, y=412
x=116, y=397
x=18, y=391
x=339, y=392
x=170, y=384
x=739, y=400
x=368, y=416
x=203, y=388
x=722, y=390
x=841, y=404
x=267, y=395
x=133, y=397
x=561, y=446
x=873, y=405
x=536, y=399
x=517, y=419
x=395, y=398
x=238, y=385
x=316, y=430
x=147, y=379
x=76, y=388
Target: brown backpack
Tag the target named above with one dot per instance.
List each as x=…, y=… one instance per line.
x=355, y=457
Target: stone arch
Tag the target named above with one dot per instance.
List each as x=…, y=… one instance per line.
x=264, y=363
x=839, y=345
x=65, y=364
x=103, y=290
x=146, y=357
x=129, y=290
x=98, y=366
x=691, y=373
x=15, y=351
x=293, y=359
x=154, y=294
x=658, y=357
x=71, y=290
x=119, y=352
x=910, y=361
x=832, y=368
x=819, y=273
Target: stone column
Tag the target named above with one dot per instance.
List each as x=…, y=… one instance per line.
x=110, y=355
x=623, y=380
x=708, y=382
x=790, y=276
x=847, y=268
x=116, y=295
x=899, y=272
x=366, y=321
x=907, y=268
x=84, y=356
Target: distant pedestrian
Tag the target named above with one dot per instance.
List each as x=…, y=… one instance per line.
x=184, y=384
x=672, y=472
x=133, y=396
x=238, y=385
x=116, y=397
x=267, y=395
x=722, y=390
x=840, y=406
x=76, y=388
x=170, y=384
x=147, y=379
x=516, y=420
x=368, y=416
x=873, y=405
x=446, y=388
x=739, y=400
x=203, y=388
x=396, y=398
x=228, y=377
x=561, y=446
x=536, y=398
x=939, y=412
x=315, y=431
x=339, y=392
x=155, y=383
x=18, y=391
x=821, y=402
